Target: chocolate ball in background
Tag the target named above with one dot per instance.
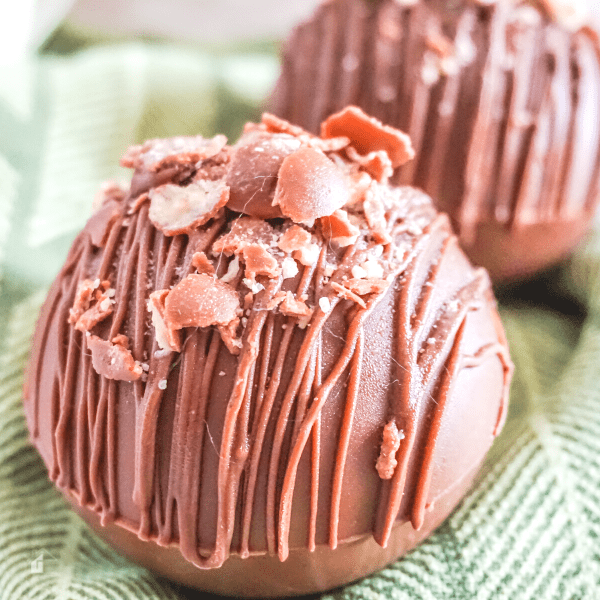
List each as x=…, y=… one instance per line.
x=267, y=407
x=500, y=99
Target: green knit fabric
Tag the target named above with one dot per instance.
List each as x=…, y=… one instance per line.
x=530, y=529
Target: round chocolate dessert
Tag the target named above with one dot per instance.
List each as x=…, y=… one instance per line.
x=264, y=371
x=500, y=98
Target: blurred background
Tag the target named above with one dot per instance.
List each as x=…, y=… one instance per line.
x=204, y=21
x=199, y=21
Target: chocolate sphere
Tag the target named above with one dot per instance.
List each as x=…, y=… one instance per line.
x=267, y=407
x=499, y=97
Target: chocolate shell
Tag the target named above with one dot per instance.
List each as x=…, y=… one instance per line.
x=500, y=99
x=267, y=407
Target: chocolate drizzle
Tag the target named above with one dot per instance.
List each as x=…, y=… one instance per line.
x=500, y=100
x=259, y=453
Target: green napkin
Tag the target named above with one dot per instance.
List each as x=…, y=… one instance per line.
x=530, y=529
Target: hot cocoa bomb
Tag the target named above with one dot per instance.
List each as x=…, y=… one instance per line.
x=500, y=99
x=263, y=370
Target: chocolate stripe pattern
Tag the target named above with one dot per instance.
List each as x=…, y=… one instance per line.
x=268, y=434
x=499, y=99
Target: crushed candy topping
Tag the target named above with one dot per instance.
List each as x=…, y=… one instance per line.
x=201, y=301
x=229, y=336
x=309, y=186
x=329, y=270
x=276, y=300
x=252, y=177
x=202, y=264
x=289, y=268
x=358, y=272
x=372, y=269
x=121, y=340
x=253, y=286
x=338, y=228
x=113, y=360
x=198, y=300
x=259, y=262
x=92, y=304
x=233, y=268
x=166, y=337
x=83, y=299
x=292, y=307
x=298, y=242
x=386, y=462
x=110, y=191
x=331, y=145
x=277, y=125
x=302, y=199
x=375, y=215
x=377, y=163
x=160, y=153
x=325, y=304
x=244, y=231
x=364, y=287
x=344, y=292
x=175, y=209
x=368, y=134
x=360, y=181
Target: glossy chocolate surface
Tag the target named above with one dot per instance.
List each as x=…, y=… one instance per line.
x=261, y=390
x=499, y=98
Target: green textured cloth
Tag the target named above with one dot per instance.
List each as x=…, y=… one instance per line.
x=530, y=529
